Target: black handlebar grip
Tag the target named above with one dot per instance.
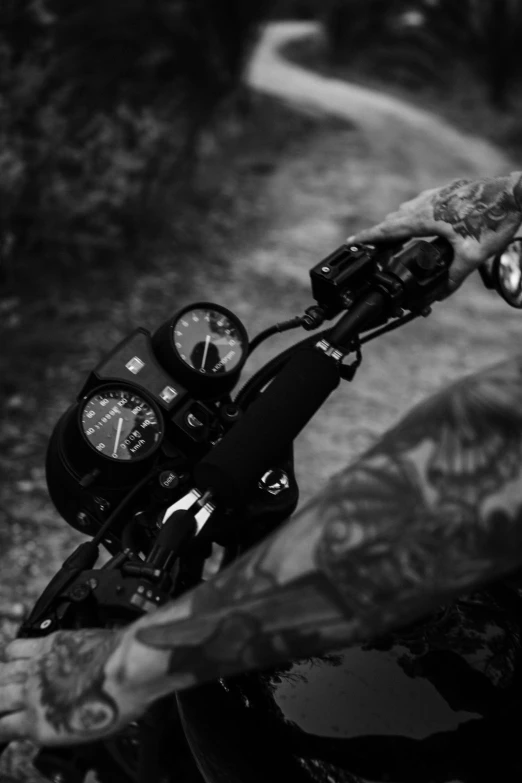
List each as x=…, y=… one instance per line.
x=270, y=424
x=444, y=249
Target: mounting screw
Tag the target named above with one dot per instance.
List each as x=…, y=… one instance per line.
x=45, y=624
x=354, y=248
x=80, y=592
x=101, y=504
x=325, y=269
x=274, y=481
x=230, y=412
x=82, y=519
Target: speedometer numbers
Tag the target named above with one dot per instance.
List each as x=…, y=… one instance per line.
x=121, y=425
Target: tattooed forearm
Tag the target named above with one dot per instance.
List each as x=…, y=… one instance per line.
x=72, y=677
x=434, y=509
x=474, y=209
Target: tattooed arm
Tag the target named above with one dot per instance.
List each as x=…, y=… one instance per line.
x=432, y=510
x=478, y=217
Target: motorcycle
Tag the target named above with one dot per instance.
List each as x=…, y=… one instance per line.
x=155, y=461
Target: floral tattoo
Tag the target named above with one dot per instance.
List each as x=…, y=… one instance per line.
x=432, y=510
x=72, y=679
x=476, y=208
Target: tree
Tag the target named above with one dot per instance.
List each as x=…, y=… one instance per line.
x=355, y=26
x=486, y=34
x=104, y=104
x=482, y=35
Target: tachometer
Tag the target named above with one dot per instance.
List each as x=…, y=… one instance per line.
x=204, y=344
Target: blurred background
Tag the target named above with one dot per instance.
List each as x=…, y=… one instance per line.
x=156, y=151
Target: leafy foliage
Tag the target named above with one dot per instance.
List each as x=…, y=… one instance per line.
x=430, y=40
x=484, y=33
x=103, y=109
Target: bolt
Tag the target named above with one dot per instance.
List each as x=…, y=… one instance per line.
x=45, y=624
x=354, y=248
x=82, y=519
x=325, y=269
x=230, y=411
x=101, y=504
x=57, y=777
x=80, y=592
x=274, y=481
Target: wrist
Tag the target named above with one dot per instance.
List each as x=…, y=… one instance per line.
x=139, y=672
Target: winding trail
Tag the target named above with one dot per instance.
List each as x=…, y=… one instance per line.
x=381, y=152
x=402, y=149
x=380, y=116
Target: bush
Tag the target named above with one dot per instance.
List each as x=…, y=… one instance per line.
x=103, y=108
x=429, y=41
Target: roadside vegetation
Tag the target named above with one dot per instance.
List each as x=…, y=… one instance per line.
x=461, y=60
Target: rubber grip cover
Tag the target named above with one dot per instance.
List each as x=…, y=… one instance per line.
x=233, y=467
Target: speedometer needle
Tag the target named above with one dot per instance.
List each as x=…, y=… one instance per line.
x=118, y=433
x=207, y=343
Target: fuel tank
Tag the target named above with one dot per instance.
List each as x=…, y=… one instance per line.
x=437, y=702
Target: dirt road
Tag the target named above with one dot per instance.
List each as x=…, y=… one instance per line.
x=383, y=152
x=380, y=116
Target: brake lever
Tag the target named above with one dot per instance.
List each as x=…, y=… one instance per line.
x=83, y=558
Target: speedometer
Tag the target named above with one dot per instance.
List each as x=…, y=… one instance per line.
x=120, y=424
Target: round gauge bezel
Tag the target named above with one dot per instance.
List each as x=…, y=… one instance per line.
x=137, y=393
x=238, y=325
x=207, y=385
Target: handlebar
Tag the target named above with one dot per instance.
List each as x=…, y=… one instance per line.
x=370, y=284
x=270, y=424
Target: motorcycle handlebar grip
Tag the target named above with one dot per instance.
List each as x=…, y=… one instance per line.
x=270, y=424
x=445, y=250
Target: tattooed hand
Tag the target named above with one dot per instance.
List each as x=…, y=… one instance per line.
x=60, y=689
x=479, y=218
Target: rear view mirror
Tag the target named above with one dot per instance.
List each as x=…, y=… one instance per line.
x=507, y=273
